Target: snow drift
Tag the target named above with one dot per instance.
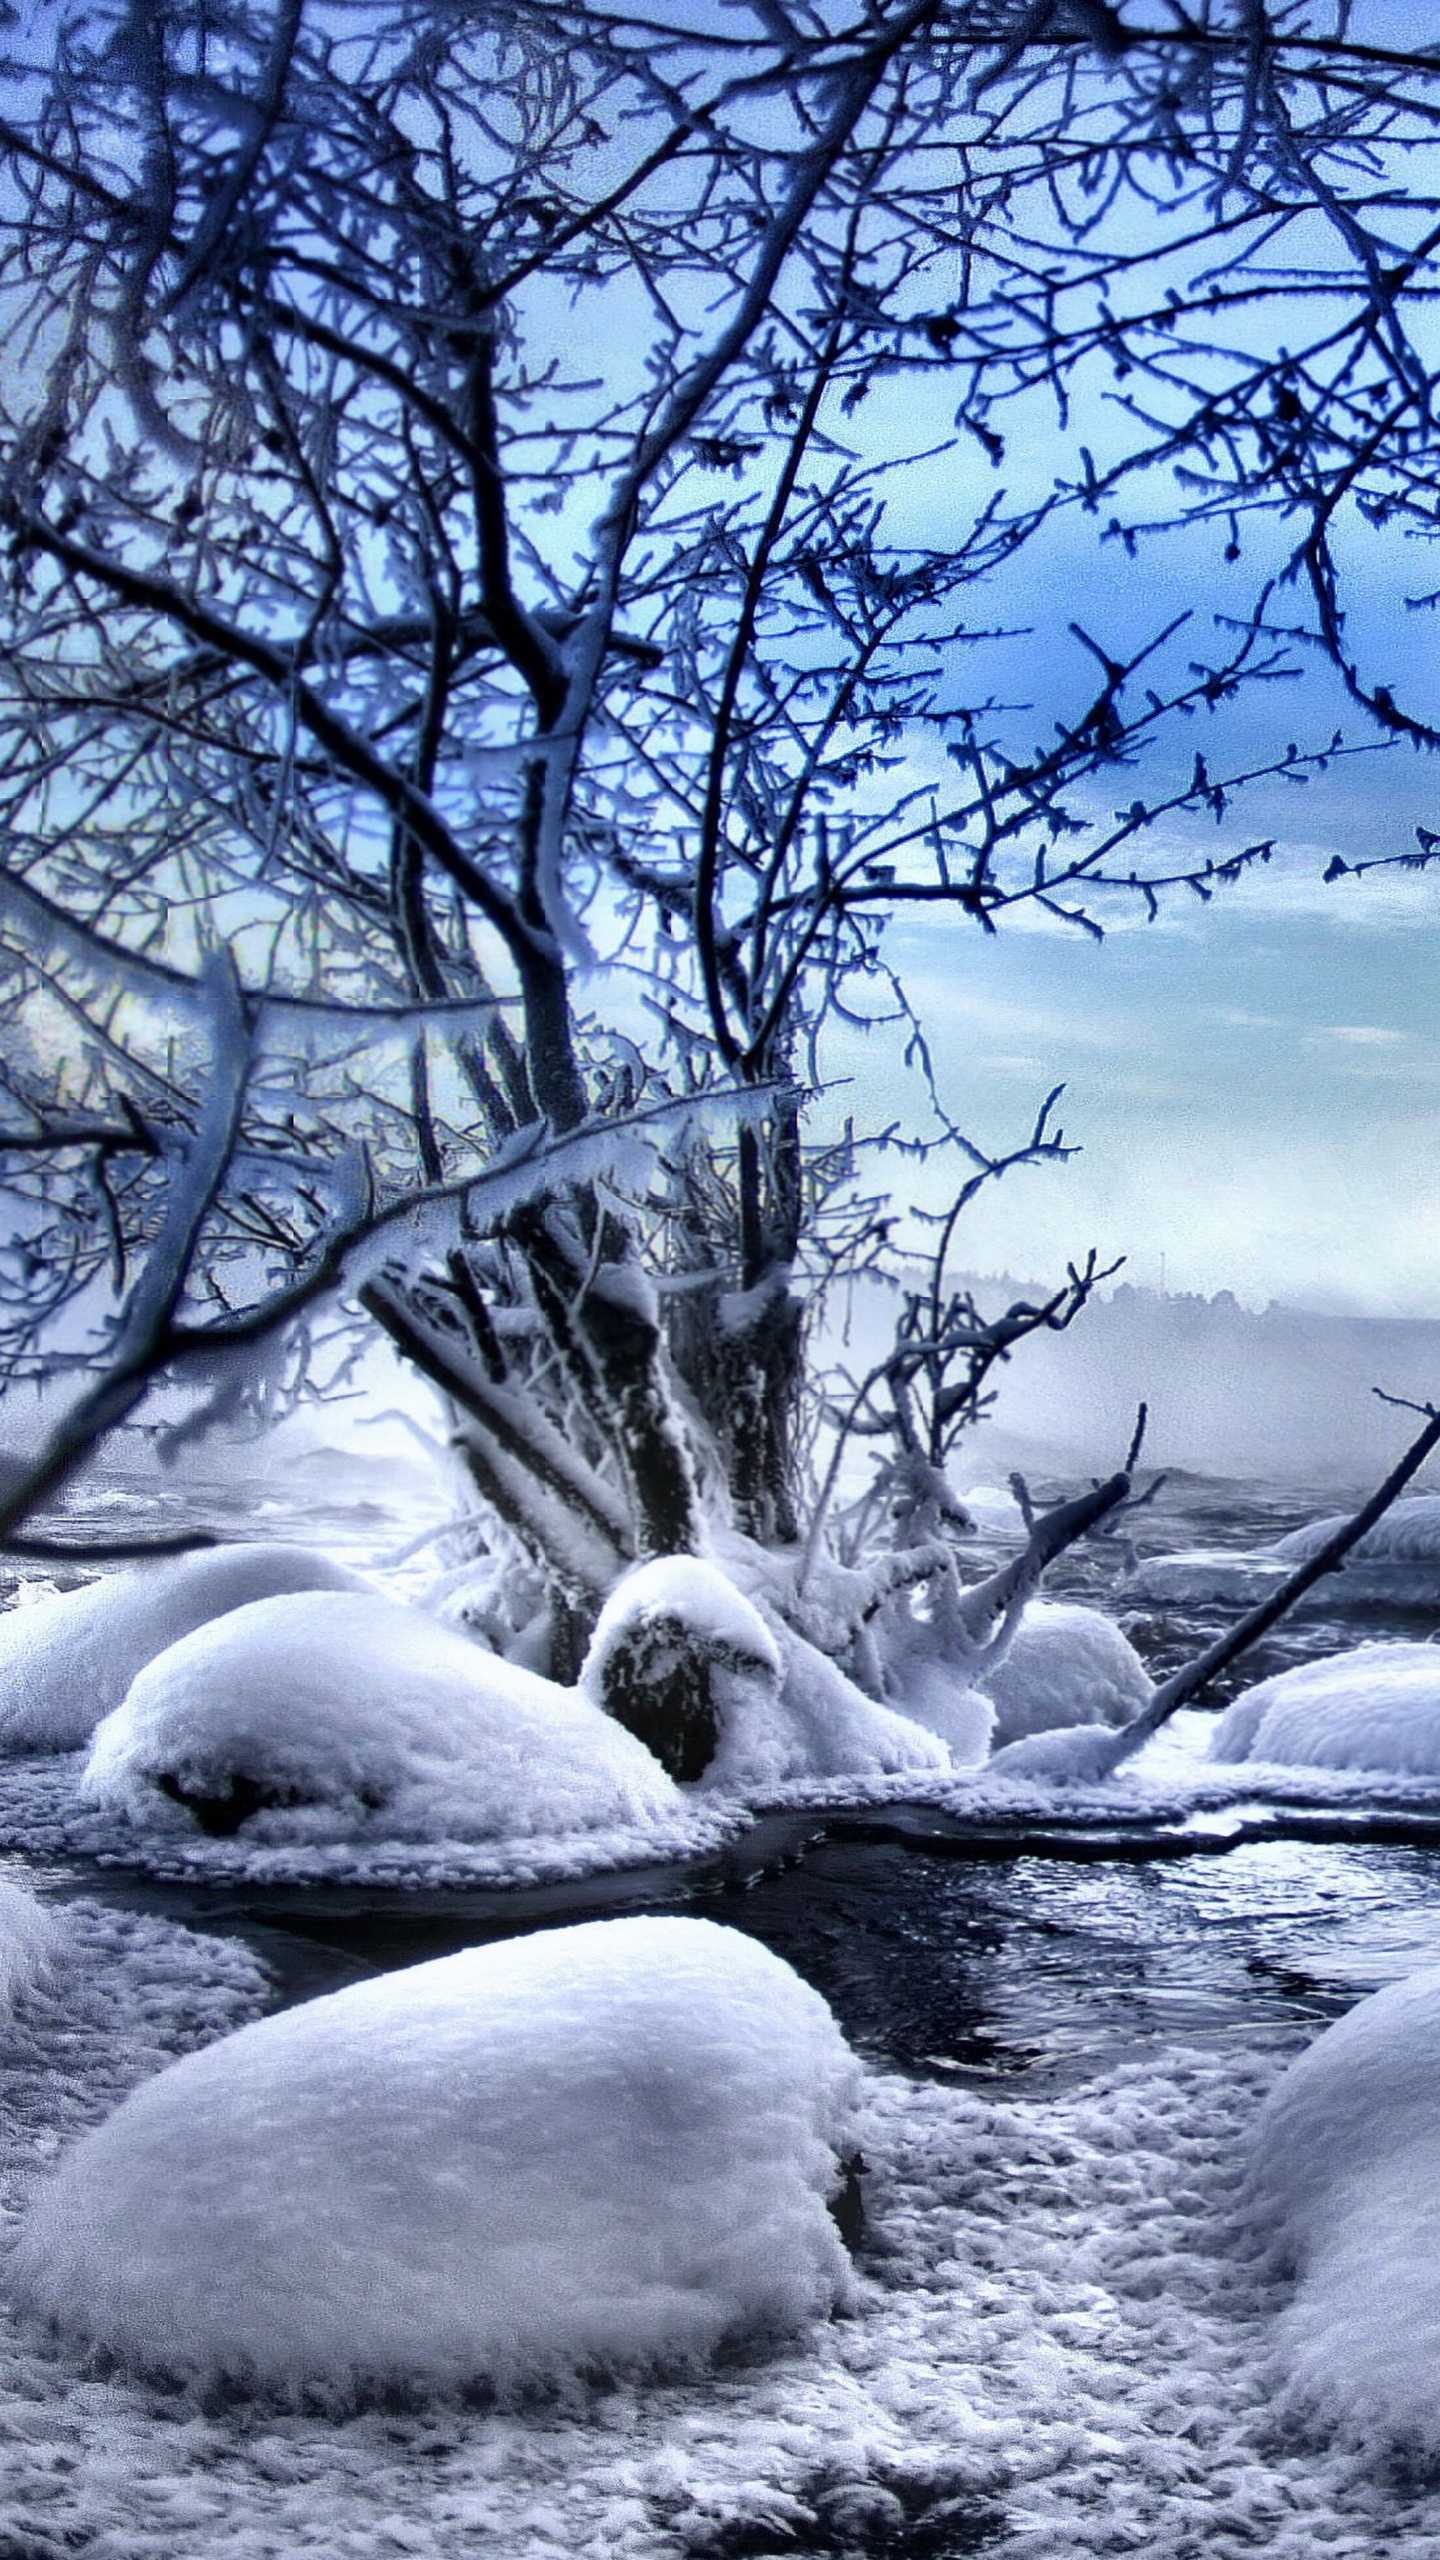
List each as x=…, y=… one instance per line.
x=321, y=1714
x=608, y=2146
x=1346, y=2177
x=65, y=1662
x=1376, y=1707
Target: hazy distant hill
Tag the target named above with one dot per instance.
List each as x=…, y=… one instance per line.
x=1230, y=1393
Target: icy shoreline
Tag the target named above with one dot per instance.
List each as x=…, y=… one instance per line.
x=1169, y=1793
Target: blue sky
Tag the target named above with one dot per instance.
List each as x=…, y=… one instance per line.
x=1254, y=1083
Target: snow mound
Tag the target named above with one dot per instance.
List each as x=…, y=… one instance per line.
x=1067, y=1665
x=1346, y=2174
x=1376, y=1707
x=65, y=1662
x=1409, y=1533
x=30, y=1943
x=1197, y=1575
x=826, y=1727
x=323, y=1714
x=931, y=1689
x=681, y=1648
x=608, y=2146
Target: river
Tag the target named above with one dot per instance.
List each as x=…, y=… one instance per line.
x=985, y=1968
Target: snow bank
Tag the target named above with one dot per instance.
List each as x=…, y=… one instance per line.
x=1346, y=2176
x=1376, y=1707
x=29, y=1943
x=322, y=1714
x=65, y=1662
x=1067, y=1665
x=605, y=2146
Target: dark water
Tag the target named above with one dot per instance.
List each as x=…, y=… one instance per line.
x=1020, y=1970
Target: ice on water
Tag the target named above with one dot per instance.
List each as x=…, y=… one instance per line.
x=1396, y=1561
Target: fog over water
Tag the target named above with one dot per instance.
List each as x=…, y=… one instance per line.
x=1282, y=1395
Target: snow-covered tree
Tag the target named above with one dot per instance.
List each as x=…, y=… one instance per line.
x=482, y=643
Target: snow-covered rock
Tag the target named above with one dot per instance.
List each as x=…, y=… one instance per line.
x=67, y=1660
x=765, y=1707
x=606, y=2147
x=1346, y=2176
x=1408, y=1533
x=325, y=1714
x=1397, y=1563
x=1376, y=1707
x=29, y=1942
x=1197, y=1576
x=682, y=1659
x=1066, y=1665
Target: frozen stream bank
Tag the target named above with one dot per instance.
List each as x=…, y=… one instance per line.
x=1062, y=2348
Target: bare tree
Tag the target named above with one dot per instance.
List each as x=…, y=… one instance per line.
x=466, y=480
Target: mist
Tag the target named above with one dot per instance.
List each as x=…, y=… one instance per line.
x=1283, y=1395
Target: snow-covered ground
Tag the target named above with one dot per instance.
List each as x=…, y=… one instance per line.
x=1063, y=2343
x=1067, y=2340
x=1172, y=1784
x=339, y=1735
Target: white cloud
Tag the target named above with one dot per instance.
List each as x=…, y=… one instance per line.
x=1361, y=1035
